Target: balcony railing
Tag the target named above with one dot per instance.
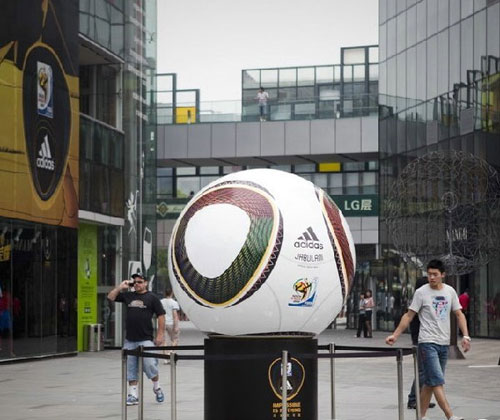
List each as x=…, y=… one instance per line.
x=344, y=106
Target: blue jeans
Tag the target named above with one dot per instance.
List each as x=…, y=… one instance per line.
x=263, y=110
x=433, y=358
x=150, y=364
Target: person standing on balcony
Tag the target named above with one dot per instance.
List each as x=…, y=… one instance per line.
x=262, y=97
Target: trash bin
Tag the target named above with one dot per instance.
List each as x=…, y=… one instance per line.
x=93, y=337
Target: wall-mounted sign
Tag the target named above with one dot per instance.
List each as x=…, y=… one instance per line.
x=357, y=205
x=170, y=209
x=87, y=279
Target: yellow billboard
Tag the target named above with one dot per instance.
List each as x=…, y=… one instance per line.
x=185, y=114
x=39, y=120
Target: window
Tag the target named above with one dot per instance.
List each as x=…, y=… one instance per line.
x=324, y=74
x=353, y=166
x=209, y=170
x=335, y=184
x=373, y=55
x=288, y=77
x=164, y=186
x=321, y=180
x=305, y=76
x=352, y=183
x=231, y=169
x=187, y=185
x=251, y=79
x=354, y=55
x=305, y=168
x=269, y=78
x=188, y=170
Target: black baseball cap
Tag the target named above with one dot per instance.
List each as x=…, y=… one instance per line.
x=135, y=275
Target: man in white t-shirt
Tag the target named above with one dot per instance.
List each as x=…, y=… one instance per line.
x=171, y=320
x=434, y=303
x=262, y=97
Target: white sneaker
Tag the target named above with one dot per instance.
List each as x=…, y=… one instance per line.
x=456, y=418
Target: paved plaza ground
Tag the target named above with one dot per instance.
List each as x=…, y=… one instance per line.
x=88, y=386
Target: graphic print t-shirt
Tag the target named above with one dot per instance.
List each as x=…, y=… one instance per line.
x=140, y=311
x=434, y=308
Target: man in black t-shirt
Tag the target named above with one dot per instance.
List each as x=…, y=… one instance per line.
x=141, y=306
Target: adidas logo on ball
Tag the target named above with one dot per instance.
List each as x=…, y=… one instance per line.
x=308, y=240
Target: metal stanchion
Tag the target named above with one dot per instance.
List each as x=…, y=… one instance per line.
x=173, y=387
x=140, y=414
x=399, y=359
x=284, y=379
x=417, y=381
x=124, y=385
x=332, y=380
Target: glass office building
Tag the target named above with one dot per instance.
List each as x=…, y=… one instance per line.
x=348, y=89
x=439, y=92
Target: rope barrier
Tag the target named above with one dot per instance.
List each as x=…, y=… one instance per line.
x=334, y=352
x=359, y=353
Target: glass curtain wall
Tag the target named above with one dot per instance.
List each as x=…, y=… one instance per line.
x=102, y=22
x=350, y=178
x=330, y=91
x=38, y=289
x=438, y=91
x=140, y=136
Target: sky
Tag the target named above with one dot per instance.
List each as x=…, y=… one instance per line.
x=208, y=42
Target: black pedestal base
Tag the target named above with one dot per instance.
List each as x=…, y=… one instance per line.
x=243, y=377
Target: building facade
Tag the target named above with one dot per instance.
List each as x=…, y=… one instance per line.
x=78, y=144
x=439, y=92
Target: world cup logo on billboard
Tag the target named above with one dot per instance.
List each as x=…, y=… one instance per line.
x=47, y=119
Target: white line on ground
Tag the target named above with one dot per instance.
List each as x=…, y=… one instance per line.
x=485, y=366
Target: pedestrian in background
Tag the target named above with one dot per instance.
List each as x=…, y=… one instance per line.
x=464, y=300
x=172, y=309
x=369, y=305
x=361, y=316
x=434, y=304
x=142, y=305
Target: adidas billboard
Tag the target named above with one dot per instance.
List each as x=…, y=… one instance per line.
x=308, y=240
x=47, y=120
x=39, y=91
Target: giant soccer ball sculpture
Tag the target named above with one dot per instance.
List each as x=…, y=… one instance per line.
x=261, y=251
